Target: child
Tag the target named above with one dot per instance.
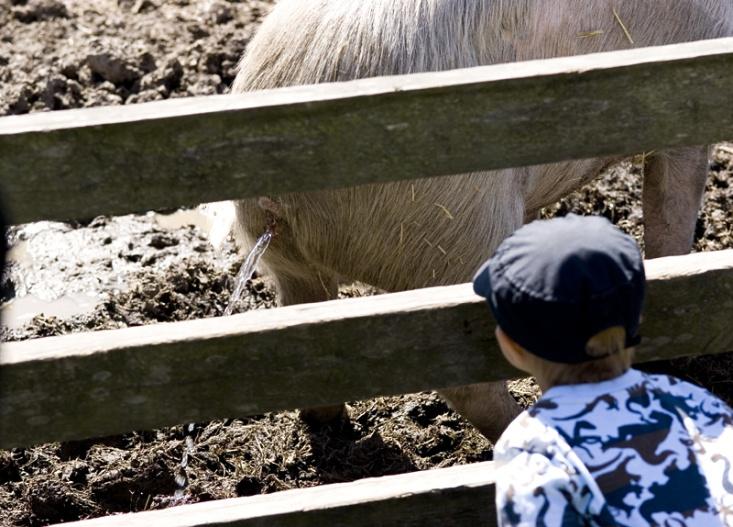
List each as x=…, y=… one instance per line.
x=605, y=444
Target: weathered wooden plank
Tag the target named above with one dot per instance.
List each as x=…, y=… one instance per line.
x=457, y=496
x=80, y=163
x=94, y=384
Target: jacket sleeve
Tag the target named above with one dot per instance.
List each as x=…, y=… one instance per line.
x=534, y=490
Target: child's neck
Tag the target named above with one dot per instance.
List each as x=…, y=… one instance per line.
x=547, y=382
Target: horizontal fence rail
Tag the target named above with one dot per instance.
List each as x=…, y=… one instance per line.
x=457, y=496
x=94, y=384
x=81, y=163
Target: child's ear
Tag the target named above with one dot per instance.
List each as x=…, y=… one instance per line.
x=513, y=352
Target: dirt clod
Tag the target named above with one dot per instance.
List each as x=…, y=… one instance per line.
x=38, y=10
x=113, y=69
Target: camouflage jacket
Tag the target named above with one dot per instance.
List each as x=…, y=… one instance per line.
x=636, y=450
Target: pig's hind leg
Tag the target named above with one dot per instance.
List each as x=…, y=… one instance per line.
x=674, y=182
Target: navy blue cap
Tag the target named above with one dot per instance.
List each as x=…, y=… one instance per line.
x=555, y=283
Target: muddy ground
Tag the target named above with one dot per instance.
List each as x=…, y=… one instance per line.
x=127, y=271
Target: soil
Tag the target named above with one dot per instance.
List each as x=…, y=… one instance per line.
x=133, y=270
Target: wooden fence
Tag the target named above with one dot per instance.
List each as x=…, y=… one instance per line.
x=80, y=163
x=106, y=382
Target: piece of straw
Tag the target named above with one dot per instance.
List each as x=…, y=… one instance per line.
x=589, y=34
x=623, y=26
x=323, y=285
x=444, y=209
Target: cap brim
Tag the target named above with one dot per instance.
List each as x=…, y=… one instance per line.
x=482, y=281
x=482, y=286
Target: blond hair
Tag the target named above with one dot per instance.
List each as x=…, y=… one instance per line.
x=614, y=359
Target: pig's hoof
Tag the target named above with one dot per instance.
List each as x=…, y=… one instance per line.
x=324, y=415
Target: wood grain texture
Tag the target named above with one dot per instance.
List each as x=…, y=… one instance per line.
x=460, y=496
x=81, y=163
x=95, y=384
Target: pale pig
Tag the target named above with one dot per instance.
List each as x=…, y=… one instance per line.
x=431, y=232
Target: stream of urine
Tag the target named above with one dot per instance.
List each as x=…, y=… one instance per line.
x=243, y=276
x=247, y=269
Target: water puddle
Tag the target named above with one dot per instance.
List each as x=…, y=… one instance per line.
x=65, y=270
x=20, y=311
x=213, y=219
x=182, y=218
x=247, y=269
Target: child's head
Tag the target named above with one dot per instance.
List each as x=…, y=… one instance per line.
x=567, y=295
